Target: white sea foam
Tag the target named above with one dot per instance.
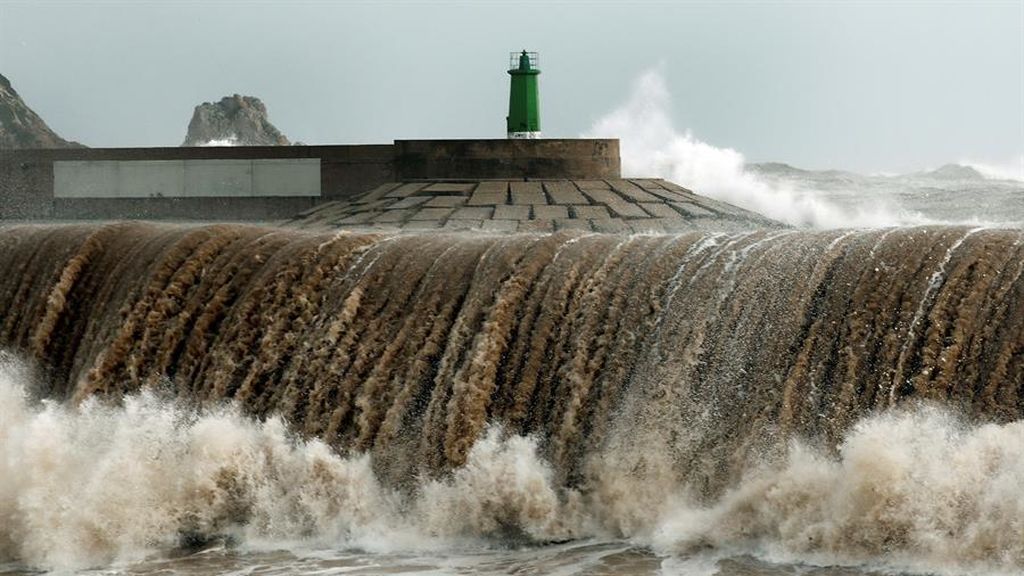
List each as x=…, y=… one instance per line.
x=916, y=489
x=1011, y=170
x=652, y=146
x=229, y=141
x=97, y=484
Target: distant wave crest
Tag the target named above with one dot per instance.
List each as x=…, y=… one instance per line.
x=651, y=146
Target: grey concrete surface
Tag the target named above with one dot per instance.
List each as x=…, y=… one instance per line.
x=612, y=206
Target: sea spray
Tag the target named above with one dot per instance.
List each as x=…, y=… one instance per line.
x=102, y=483
x=651, y=146
x=918, y=488
x=1010, y=170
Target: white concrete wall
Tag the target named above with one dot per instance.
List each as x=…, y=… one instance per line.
x=186, y=178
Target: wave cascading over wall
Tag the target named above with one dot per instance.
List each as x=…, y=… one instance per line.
x=664, y=363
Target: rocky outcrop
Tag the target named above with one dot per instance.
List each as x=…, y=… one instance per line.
x=21, y=127
x=234, y=121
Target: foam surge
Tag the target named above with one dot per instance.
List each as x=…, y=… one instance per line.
x=651, y=146
x=915, y=489
x=100, y=484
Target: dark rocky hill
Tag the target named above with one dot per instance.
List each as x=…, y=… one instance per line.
x=21, y=127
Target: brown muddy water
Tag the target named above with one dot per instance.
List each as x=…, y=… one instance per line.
x=232, y=399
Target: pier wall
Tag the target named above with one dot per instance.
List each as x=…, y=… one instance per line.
x=266, y=182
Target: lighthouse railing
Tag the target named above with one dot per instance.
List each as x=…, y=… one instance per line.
x=513, y=60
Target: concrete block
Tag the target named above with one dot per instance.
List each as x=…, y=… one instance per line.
x=645, y=226
x=572, y=224
x=473, y=213
x=500, y=225
x=432, y=214
x=422, y=225
x=647, y=184
x=489, y=194
x=329, y=208
x=330, y=216
x=676, y=188
x=536, y=226
x=726, y=209
x=406, y=190
x=610, y=225
x=675, y=224
x=631, y=191
x=590, y=212
x=527, y=193
x=548, y=212
x=564, y=192
x=336, y=221
x=392, y=216
x=445, y=201
x=669, y=195
x=378, y=192
x=376, y=205
x=661, y=211
x=458, y=188
x=463, y=224
x=626, y=210
x=410, y=202
x=511, y=212
x=359, y=218
x=692, y=210
x=603, y=196
x=492, y=186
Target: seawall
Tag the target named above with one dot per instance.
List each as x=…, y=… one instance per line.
x=267, y=183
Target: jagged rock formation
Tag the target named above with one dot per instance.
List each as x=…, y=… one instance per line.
x=21, y=127
x=236, y=121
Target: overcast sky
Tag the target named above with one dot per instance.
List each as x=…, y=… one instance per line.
x=874, y=86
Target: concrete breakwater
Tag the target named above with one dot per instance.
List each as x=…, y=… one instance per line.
x=534, y=205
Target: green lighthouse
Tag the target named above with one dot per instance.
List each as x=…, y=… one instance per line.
x=524, y=99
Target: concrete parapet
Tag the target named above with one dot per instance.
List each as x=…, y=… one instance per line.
x=502, y=159
x=144, y=182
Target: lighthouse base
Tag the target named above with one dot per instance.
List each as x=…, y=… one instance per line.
x=524, y=135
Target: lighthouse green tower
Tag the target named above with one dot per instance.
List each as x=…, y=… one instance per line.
x=523, y=118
